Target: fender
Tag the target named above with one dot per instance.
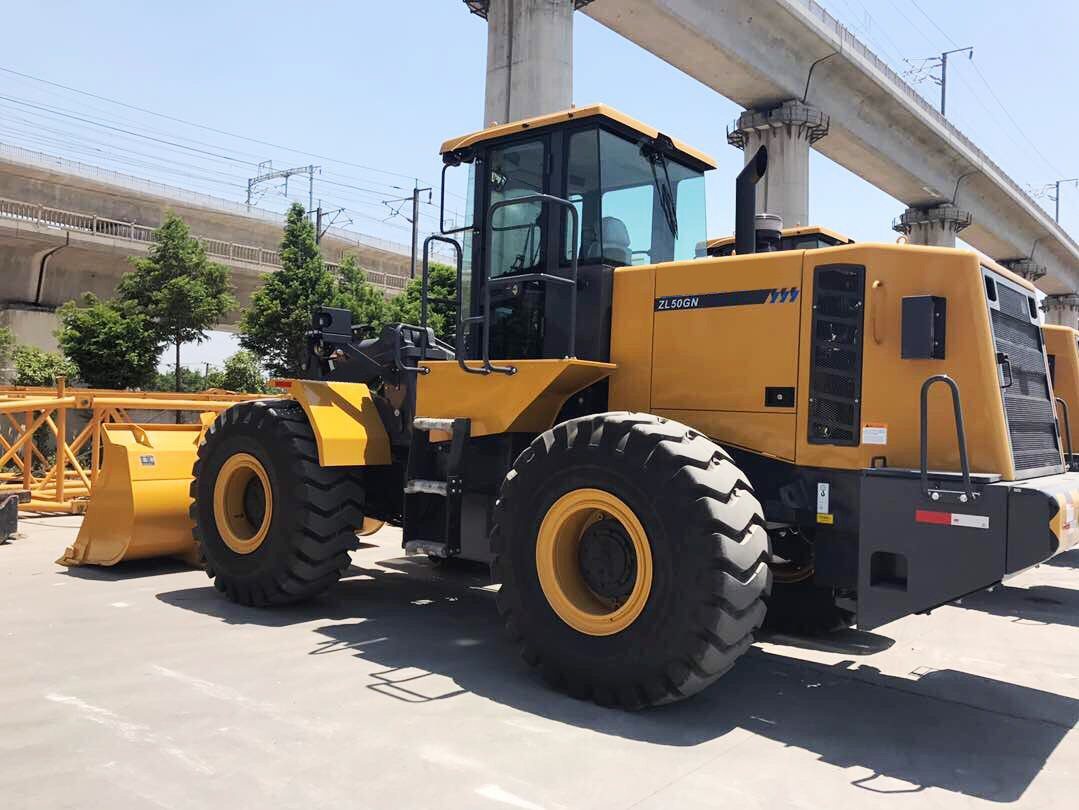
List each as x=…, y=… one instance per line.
x=346, y=423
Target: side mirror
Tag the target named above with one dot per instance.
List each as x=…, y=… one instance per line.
x=469, y=197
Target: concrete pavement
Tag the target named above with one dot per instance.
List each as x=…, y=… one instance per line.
x=141, y=687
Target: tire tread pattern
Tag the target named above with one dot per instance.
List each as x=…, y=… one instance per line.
x=328, y=504
x=719, y=507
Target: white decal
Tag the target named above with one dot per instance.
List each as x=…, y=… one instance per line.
x=873, y=433
x=971, y=521
x=822, y=498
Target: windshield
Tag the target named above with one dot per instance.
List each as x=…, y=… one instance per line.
x=636, y=206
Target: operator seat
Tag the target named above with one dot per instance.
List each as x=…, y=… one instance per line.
x=614, y=246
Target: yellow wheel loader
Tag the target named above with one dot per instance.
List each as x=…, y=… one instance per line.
x=1062, y=349
x=637, y=439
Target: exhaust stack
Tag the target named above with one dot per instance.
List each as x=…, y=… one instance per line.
x=745, y=203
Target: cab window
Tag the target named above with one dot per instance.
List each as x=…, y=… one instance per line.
x=636, y=206
x=513, y=172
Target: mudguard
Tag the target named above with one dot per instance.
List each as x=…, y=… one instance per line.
x=346, y=422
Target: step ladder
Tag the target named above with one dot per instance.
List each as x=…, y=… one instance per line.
x=434, y=487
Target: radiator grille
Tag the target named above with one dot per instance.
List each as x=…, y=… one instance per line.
x=835, y=376
x=1028, y=402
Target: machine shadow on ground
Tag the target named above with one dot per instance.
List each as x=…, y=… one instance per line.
x=436, y=635
x=1043, y=604
x=132, y=569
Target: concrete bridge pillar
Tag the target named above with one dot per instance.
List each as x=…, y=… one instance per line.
x=1027, y=268
x=31, y=325
x=1062, y=310
x=787, y=131
x=529, y=57
x=935, y=226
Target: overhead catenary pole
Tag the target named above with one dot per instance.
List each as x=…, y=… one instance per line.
x=415, y=226
x=1056, y=196
x=267, y=172
x=414, y=220
x=944, y=73
x=321, y=215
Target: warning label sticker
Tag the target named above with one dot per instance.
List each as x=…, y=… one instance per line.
x=874, y=433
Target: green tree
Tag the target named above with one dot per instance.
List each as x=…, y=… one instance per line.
x=34, y=366
x=441, y=313
x=355, y=293
x=7, y=344
x=274, y=327
x=191, y=381
x=179, y=290
x=113, y=345
x=242, y=373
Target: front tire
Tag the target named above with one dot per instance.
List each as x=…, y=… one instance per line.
x=271, y=525
x=633, y=559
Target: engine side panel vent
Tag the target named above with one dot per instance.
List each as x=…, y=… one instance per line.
x=1028, y=400
x=835, y=371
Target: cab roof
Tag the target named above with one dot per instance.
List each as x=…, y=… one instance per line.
x=802, y=230
x=598, y=111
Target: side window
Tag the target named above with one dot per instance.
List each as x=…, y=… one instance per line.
x=627, y=224
x=692, y=221
x=628, y=202
x=513, y=172
x=582, y=189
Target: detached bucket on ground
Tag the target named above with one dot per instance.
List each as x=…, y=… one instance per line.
x=139, y=504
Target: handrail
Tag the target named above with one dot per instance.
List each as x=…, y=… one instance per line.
x=398, y=348
x=1067, y=428
x=49, y=217
x=960, y=431
x=510, y=280
x=425, y=278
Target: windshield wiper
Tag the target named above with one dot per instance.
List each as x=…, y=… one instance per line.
x=666, y=197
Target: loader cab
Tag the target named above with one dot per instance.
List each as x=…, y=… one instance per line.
x=616, y=192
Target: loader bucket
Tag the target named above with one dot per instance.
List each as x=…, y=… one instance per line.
x=139, y=503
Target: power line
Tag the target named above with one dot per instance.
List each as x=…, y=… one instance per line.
x=201, y=126
x=934, y=24
x=126, y=131
x=1015, y=123
x=918, y=71
x=96, y=118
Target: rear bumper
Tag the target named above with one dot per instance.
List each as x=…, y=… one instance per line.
x=1043, y=519
x=916, y=553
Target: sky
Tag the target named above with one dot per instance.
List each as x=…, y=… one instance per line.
x=368, y=90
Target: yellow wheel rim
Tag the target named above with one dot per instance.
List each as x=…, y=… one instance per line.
x=241, y=531
x=558, y=563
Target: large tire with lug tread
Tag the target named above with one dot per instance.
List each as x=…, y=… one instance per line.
x=804, y=609
x=271, y=525
x=632, y=555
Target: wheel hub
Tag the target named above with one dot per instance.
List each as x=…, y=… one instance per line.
x=254, y=501
x=243, y=503
x=608, y=562
x=594, y=562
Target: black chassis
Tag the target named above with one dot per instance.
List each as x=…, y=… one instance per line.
x=890, y=546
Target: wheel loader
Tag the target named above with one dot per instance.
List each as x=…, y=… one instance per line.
x=1062, y=351
x=641, y=441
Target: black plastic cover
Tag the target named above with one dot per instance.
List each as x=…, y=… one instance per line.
x=924, y=320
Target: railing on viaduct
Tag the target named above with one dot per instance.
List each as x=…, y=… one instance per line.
x=45, y=217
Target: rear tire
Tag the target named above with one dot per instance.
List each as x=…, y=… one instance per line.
x=271, y=525
x=704, y=543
